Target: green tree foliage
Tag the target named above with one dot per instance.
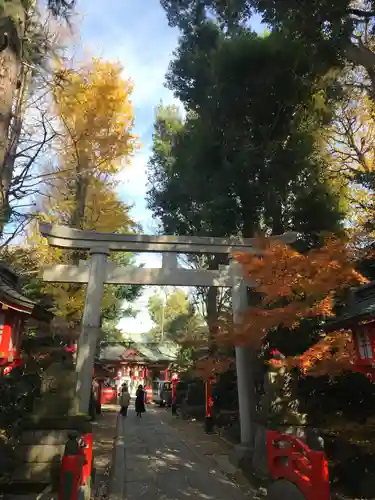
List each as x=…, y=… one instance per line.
x=174, y=318
x=245, y=158
x=334, y=31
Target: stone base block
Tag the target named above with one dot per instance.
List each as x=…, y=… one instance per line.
x=242, y=455
x=282, y=489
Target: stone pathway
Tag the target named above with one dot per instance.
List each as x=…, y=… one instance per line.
x=162, y=463
x=220, y=450
x=104, y=431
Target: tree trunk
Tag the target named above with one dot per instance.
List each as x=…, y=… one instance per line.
x=77, y=218
x=16, y=122
x=212, y=316
x=360, y=55
x=212, y=304
x=11, y=35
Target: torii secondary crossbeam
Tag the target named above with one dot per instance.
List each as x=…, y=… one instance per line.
x=99, y=271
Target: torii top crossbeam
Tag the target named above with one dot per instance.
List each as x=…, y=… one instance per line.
x=77, y=239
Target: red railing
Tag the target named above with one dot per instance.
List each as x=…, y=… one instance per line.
x=291, y=459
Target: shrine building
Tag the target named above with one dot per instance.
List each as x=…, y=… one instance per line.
x=359, y=317
x=17, y=312
x=133, y=364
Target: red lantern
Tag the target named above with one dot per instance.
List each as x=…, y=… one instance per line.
x=364, y=345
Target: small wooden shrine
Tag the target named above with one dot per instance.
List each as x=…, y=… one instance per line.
x=133, y=364
x=359, y=317
x=16, y=311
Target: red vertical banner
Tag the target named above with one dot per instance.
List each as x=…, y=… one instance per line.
x=166, y=374
x=88, y=453
x=174, y=390
x=209, y=400
x=6, y=347
x=174, y=381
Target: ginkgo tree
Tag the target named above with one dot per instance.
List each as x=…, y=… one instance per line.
x=94, y=118
x=350, y=142
x=95, y=113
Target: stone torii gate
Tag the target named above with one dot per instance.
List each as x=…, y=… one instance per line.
x=99, y=271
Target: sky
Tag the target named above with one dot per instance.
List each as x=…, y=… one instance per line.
x=136, y=34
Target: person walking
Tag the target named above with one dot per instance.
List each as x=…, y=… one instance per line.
x=140, y=396
x=124, y=400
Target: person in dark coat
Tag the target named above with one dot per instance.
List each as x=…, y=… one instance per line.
x=140, y=401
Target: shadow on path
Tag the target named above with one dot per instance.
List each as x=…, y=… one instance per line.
x=161, y=465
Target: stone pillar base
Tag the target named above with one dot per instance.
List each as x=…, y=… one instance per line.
x=282, y=489
x=243, y=454
x=260, y=456
x=208, y=425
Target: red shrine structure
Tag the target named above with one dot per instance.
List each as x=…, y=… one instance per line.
x=134, y=364
x=16, y=311
x=359, y=317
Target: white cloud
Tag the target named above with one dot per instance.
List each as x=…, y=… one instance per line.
x=133, y=178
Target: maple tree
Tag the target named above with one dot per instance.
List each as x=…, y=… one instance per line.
x=291, y=287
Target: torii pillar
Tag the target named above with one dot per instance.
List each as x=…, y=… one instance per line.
x=90, y=327
x=245, y=357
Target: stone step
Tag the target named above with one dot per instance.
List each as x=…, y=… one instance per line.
x=32, y=496
x=25, y=491
x=45, y=437
x=39, y=452
x=36, y=472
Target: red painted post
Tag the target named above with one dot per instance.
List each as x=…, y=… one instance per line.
x=71, y=469
x=71, y=477
x=209, y=423
x=87, y=453
x=174, y=394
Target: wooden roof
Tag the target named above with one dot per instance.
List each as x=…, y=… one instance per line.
x=361, y=306
x=12, y=298
x=140, y=352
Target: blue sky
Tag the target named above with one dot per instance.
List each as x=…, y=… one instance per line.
x=136, y=34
